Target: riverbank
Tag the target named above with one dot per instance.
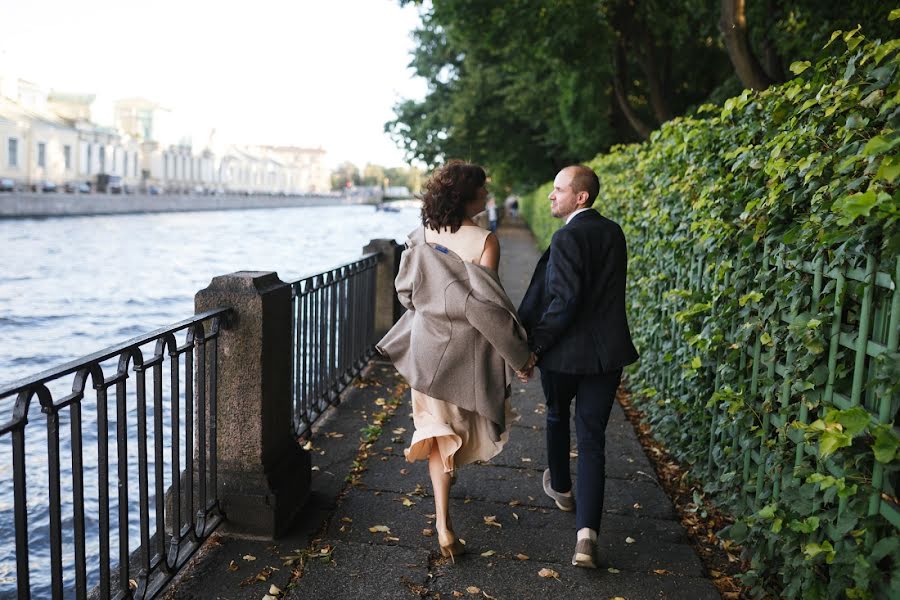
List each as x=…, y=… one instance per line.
x=33, y=205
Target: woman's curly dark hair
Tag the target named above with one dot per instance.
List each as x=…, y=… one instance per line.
x=447, y=192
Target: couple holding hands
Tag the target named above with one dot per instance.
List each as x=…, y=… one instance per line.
x=461, y=340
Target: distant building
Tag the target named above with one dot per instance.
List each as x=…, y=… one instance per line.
x=52, y=137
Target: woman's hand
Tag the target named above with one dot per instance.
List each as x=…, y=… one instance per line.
x=524, y=374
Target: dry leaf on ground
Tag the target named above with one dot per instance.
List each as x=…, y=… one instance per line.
x=473, y=590
x=629, y=540
x=613, y=570
x=548, y=573
x=488, y=553
x=492, y=521
x=233, y=566
x=521, y=556
x=428, y=532
x=380, y=528
x=249, y=557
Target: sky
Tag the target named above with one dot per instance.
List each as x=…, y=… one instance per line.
x=308, y=73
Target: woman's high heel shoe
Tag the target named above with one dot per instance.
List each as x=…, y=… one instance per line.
x=453, y=549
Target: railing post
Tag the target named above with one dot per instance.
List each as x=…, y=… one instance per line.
x=387, y=308
x=263, y=474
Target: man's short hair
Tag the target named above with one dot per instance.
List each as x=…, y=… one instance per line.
x=585, y=180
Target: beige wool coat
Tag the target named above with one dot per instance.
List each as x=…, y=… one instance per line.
x=460, y=340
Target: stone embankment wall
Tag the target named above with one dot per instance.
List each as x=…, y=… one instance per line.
x=18, y=205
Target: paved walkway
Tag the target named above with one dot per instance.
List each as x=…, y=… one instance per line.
x=374, y=538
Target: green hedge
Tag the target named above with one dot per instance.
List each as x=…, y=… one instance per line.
x=763, y=270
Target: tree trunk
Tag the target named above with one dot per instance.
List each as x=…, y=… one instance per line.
x=733, y=24
x=655, y=79
x=619, y=88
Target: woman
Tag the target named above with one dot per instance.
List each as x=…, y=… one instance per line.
x=460, y=340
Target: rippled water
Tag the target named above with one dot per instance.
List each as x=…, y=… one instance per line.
x=70, y=287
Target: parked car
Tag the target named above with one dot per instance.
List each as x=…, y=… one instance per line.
x=47, y=186
x=111, y=184
x=82, y=187
x=7, y=185
x=154, y=190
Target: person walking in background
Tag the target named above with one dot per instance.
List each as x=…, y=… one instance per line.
x=574, y=312
x=460, y=340
x=492, y=215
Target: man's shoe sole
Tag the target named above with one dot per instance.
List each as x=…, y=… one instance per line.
x=585, y=561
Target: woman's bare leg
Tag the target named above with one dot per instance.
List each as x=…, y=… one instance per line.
x=440, y=483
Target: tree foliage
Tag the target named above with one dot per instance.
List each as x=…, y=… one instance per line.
x=527, y=86
x=759, y=231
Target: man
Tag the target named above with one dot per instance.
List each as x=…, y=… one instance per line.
x=574, y=312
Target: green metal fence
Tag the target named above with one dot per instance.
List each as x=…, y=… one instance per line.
x=754, y=361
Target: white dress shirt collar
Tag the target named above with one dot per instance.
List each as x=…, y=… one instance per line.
x=572, y=216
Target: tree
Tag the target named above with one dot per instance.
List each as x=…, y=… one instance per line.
x=344, y=176
x=528, y=86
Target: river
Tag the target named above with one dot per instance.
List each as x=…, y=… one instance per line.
x=72, y=286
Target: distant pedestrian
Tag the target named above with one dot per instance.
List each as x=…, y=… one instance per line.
x=492, y=215
x=574, y=311
x=460, y=340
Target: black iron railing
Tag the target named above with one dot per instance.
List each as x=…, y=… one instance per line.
x=160, y=446
x=334, y=331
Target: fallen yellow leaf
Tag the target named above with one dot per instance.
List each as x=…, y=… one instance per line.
x=428, y=532
x=488, y=553
x=515, y=516
x=274, y=590
x=407, y=502
x=473, y=590
x=233, y=566
x=612, y=570
x=346, y=519
x=521, y=556
x=249, y=557
x=548, y=573
x=629, y=540
x=661, y=572
x=457, y=594
x=488, y=596
x=492, y=521
x=380, y=528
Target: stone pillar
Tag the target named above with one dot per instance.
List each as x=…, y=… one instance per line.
x=263, y=474
x=387, y=307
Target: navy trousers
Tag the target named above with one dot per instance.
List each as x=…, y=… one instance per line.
x=595, y=396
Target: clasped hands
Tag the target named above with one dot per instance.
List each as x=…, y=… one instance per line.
x=524, y=374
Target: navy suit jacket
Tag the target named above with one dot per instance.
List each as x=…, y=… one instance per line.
x=574, y=309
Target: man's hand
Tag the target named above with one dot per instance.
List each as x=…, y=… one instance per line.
x=525, y=373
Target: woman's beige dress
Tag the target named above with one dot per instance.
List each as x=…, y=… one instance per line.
x=461, y=436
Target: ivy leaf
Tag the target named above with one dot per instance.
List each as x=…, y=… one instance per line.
x=853, y=420
x=768, y=511
x=894, y=15
x=831, y=441
x=807, y=525
x=855, y=205
x=813, y=550
x=835, y=35
x=885, y=446
x=800, y=66
x=751, y=297
x=881, y=144
x=889, y=169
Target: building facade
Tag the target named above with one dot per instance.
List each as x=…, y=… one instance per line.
x=50, y=140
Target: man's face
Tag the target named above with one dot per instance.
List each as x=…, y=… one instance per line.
x=563, y=199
